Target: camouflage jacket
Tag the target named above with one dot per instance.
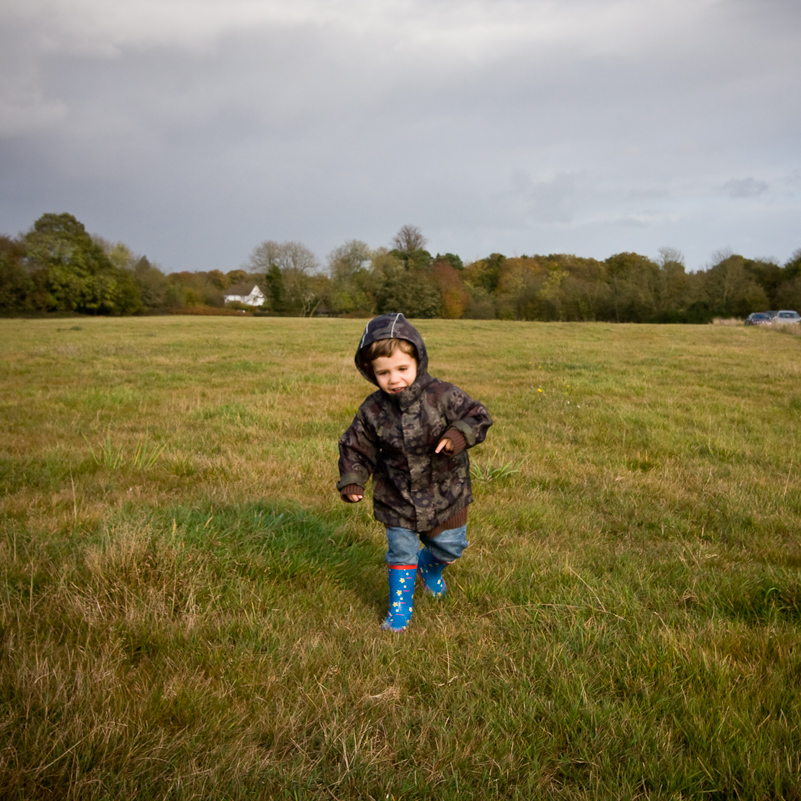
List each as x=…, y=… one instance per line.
x=393, y=438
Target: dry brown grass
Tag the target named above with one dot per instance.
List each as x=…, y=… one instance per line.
x=624, y=624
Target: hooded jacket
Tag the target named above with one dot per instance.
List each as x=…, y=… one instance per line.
x=393, y=438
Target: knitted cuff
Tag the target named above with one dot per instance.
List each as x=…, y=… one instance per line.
x=456, y=520
x=351, y=489
x=457, y=440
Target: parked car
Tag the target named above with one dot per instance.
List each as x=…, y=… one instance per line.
x=758, y=318
x=785, y=316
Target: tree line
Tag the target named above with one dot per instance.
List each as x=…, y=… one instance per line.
x=58, y=267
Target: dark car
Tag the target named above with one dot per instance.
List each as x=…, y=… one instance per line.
x=759, y=318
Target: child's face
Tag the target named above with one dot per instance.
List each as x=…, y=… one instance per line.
x=396, y=372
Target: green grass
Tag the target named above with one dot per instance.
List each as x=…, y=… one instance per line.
x=188, y=610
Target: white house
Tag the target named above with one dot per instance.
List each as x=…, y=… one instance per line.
x=244, y=294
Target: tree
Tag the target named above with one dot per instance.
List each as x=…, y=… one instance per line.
x=518, y=286
x=275, y=290
x=730, y=291
x=484, y=273
x=408, y=239
x=80, y=276
x=767, y=274
x=400, y=289
x=673, y=297
x=219, y=279
x=793, y=266
x=452, y=259
x=480, y=306
x=788, y=293
x=152, y=284
x=633, y=285
x=289, y=269
x=303, y=293
x=584, y=291
x=349, y=259
x=350, y=289
x=21, y=289
x=550, y=297
x=192, y=289
x=60, y=245
x=452, y=290
x=284, y=255
x=236, y=276
x=119, y=254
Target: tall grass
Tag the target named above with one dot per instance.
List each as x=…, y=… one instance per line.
x=188, y=610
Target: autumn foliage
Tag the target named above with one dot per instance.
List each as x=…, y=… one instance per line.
x=58, y=267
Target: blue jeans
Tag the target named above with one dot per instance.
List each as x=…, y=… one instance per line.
x=404, y=545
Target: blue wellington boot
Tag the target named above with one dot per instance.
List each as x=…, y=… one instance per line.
x=430, y=571
x=401, y=589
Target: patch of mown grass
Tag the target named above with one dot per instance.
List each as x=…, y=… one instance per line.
x=201, y=620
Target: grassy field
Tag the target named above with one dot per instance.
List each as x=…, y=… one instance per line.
x=189, y=611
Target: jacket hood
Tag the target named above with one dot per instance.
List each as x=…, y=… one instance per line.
x=390, y=326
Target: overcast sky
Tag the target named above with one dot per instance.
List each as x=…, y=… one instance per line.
x=193, y=130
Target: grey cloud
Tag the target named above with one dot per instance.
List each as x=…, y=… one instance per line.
x=631, y=222
x=793, y=180
x=326, y=122
x=550, y=201
x=744, y=187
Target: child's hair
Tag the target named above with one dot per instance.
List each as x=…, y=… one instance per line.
x=386, y=347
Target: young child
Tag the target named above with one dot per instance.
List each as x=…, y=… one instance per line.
x=411, y=436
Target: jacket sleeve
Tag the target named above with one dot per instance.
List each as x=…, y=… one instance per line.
x=358, y=453
x=467, y=416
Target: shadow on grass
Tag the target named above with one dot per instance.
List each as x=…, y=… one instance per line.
x=281, y=543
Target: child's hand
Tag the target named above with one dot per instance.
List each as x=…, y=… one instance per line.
x=446, y=445
x=354, y=498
